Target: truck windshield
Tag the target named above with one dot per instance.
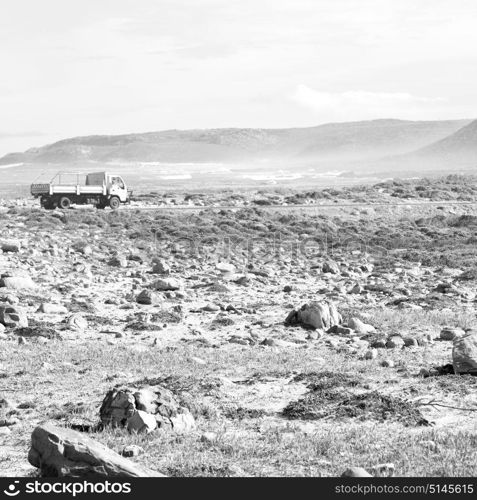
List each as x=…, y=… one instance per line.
x=117, y=181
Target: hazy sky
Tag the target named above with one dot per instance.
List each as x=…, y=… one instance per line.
x=79, y=67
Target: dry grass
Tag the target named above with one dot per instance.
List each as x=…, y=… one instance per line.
x=260, y=444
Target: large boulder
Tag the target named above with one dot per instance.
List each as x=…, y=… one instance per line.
x=136, y=409
x=322, y=315
x=62, y=452
x=464, y=353
x=13, y=316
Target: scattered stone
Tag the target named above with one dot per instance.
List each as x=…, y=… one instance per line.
x=13, y=317
x=341, y=330
x=394, y=342
x=225, y=268
x=161, y=267
x=243, y=281
x=357, y=288
x=48, y=308
x=118, y=261
x=82, y=247
x=464, y=353
x=37, y=332
x=272, y=342
x=208, y=437
x=331, y=267
x=132, y=450
x=183, y=423
x=359, y=327
x=211, y=308
x=315, y=334
x=17, y=282
x=77, y=322
x=356, y=472
x=383, y=470
x=62, y=452
x=8, y=422
x=371, y=354
x=449, y=333
x=387, y=363
x=199, y=361
x=10, y=246
x=168, y=284
x=148, y=297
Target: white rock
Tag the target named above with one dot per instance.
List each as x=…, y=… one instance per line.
x=358, y=326
x=183, y=422
x=48, y=308
x=17, y=283
x=141, y=421
x=464, y=353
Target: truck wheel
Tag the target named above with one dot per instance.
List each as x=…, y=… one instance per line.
x=47, y=203
x=114, y=203
x=65, y=203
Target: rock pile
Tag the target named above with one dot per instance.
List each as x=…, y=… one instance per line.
x=144, y=410
x=317, y=315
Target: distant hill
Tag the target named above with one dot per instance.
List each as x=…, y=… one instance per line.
x=335, y=142
x=457, y=150
x=461, y=144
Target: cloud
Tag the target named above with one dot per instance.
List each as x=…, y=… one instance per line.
x=361, y=105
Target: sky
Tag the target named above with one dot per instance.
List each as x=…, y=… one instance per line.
x=82, y=67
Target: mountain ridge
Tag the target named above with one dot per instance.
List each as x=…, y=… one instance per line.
x=359, y=140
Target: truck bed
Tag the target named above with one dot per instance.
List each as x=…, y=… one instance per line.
x=59, y=189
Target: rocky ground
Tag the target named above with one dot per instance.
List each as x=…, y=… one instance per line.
x=246, y=341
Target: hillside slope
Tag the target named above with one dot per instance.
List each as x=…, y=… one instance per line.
x=461, y=144
x=335, y=141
